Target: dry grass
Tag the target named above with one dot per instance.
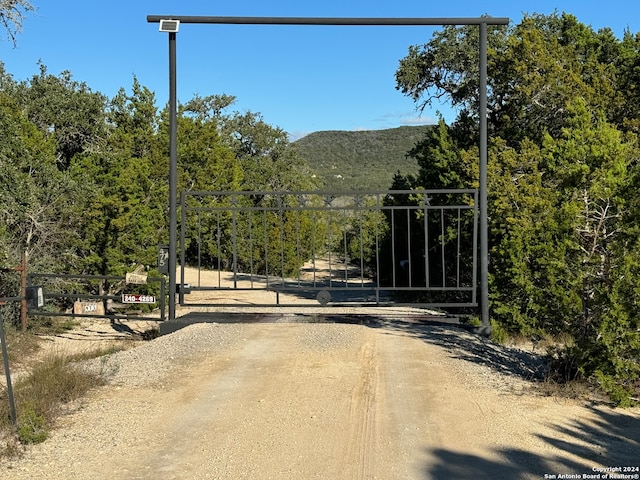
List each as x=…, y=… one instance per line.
x=43, y=391
x=572, y=389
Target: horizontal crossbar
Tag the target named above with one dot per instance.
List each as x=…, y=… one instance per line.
x=331, y=20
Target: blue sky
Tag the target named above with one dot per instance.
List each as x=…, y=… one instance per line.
x=300, y=78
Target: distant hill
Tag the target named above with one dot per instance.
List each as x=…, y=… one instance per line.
x=361, y=160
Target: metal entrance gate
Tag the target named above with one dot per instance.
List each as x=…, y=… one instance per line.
x=170, y=24
x=291, y=249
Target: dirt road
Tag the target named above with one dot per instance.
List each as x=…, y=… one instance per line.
x=326, y=401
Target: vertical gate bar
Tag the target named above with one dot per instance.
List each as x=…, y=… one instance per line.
x=234, y=241
x=361, y=248
x=183, y=223
x=163, y=292
x=199, y=247
x=393, y=247
x=484, y=229
x=280, y=203
x=458, y=257
x=298, y=269
x=442, y=240
x=377, y=233
x=328, y=240
x=251, y=271
x=474, y=274
x=344, y=240
x=173, y=174
x=313, y=246
x=23, y=289
x=408, y=210
x=218, y=235
x=7, y=372
x=426, y=247
x=266, y=245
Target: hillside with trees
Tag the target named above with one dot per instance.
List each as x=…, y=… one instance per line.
x=361, y=160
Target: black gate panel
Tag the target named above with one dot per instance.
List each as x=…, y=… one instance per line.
x=259, y=248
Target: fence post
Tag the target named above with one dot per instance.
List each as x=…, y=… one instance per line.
x=5, y=358
x=23, y=291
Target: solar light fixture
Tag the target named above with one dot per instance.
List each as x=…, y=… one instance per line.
x=169, y=26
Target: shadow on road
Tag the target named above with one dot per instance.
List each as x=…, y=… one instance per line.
x=606, y=437
x=612, y=440
x=514, y=464
x=474, y=348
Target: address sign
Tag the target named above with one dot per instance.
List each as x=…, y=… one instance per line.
x=137, y=298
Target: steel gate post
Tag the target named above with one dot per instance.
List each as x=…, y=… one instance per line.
x=173, y=176
x=484, y=228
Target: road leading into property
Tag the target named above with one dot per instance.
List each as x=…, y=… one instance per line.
x=327, y=401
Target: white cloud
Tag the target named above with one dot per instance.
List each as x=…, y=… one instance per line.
x=393, y=120
x=297, y=135
x=418, y=120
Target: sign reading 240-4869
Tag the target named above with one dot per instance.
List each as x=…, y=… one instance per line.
x=137, y=298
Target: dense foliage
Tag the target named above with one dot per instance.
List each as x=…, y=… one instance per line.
x=84, y=177
x=563, y=181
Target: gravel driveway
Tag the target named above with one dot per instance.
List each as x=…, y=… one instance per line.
x=394, y=400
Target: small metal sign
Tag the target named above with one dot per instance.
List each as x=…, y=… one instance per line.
x=35, y=296
x=88, y=308
x=136, y=278
x=137, y=298
x=163, y=259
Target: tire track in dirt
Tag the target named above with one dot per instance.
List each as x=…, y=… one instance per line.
x=203, y=406
x=280, y=404
x=363, y=415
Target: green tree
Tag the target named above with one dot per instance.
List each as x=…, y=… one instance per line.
x=268, y=160
x=124, y=218
x=627, y=64
x=590, y=165
x=234, y=151
x=34, y=195
x=563, y=162
x=206, y=163
x=535, y=68
x=66, y=110
x=530, y=286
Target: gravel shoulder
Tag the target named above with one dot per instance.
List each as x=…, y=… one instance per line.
x=317, y=401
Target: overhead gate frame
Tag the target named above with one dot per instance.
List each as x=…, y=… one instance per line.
x=482, y=22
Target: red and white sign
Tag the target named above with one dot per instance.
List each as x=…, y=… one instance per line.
x=137, y=298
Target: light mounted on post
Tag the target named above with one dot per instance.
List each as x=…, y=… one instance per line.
x=169, y=26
